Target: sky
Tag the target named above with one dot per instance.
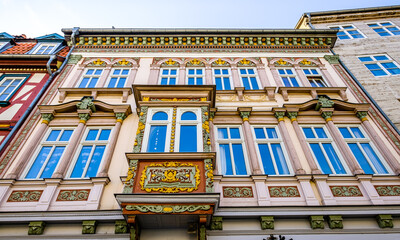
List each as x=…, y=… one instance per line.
x=36, y=18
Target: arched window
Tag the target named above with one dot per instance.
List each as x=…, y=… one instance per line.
x=160, y=116
x=158, y=132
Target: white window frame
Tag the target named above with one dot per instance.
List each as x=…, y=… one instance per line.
x=342, y=29
x=383, y=27
x=195, y=76
x=42, y=144
x=22, y=78
x=269, y=142
x=289, y=76
x=117, y=76
x=89, y=143
x=90, y=77
x=149, y=123
x=249, y=76
x=222, y=76
x=320, y=141
x=230, y=141
x=40, y=45
x=319, y=75
x=378, y=62
x=169, y=76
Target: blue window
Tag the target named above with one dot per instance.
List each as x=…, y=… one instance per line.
x=231, y=153
x=324, y=151
x=118, y=78
x=385, y=28
x=314, y=77
x=380, y=65
x=363, y=150
x=158, y=132
x=90, y=78
x=169, y=76
x=222, y=78
x=91, y=153
x=348, y=32
x=271, y=151
x=50, y=153
x=9, y=84
x=288, y=77
x=249, y=78
x=188, y=132
x=195, y=76
x=45, y=48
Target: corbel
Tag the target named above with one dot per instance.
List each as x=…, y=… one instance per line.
x=267, y=222
x=270, y=93
x=36, y=228
x=121, y=227
x=335, y=221
x=216, y=223
x=89, y=227
x=317, y=222
x=239, y=92
x=385, y=220
x=244, y=113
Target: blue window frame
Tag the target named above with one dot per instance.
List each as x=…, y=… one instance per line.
x=231, y=151
x=363, y=150
x=222, y=78
x=9, y=84
x=118, y=78
x=324, y=151
x=49, y=154
x=169, y=76
x=271, y=151
x=348, y=32
x=380, y=65
x=90, y=78
x=93, y=147
x=249, y=78
x=385, y=28
x=288, y=77
x=195, y=76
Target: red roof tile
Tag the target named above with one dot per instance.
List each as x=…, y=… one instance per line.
x=63, y=52
x=20, y=48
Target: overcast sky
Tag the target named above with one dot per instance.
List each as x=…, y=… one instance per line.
x=39, y=17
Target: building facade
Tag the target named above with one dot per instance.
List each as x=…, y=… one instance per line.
x=368, y=44
x=201, y=134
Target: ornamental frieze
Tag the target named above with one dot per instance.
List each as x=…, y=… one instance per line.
x=170, y=177
x=237, y=192
x=283, y=191
x=388, y=190
x=346, y=191
x=167, y=208
x=25, y=196
x=73, y=195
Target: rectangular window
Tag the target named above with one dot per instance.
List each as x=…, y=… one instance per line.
x=169, y=76
x=288, y=77
x=363, y=150
x=231, y=152
x=324, y=151
x=249, y=78
x=90, y=78
x=45, y=49
x=380, y=65
x=9, y=84
x=49, y=154
x=385, y=28
x=195, y=76
x=314, y=77
x=222, y=78
x=118, y=78
x=271, y=151
x=92, y=149
x=348, y=32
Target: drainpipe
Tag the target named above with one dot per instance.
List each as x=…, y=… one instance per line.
x=39, y=95
x=368, y=95
x=309, y=21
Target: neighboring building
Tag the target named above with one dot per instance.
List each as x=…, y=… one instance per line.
x=202, y=134
x=26, y=69
x=369, y=45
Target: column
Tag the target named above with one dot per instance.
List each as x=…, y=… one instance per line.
x=263, y=76
x=303, y=143
x=235, y=77
x=132, y=76
x=61, y=169
x=276, y=76
x=383, y=149
x=302, y=77
x=104, y=76
x=111, y=145
x=248, y=137
x=298, y=169
x=76, y=77
x=327, y=113
x=29, y=149
x=208, y=75
x=182, y=75
x=153, y=76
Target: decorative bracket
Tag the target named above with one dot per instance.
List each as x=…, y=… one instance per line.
x=317, y=222
x=121, y=227
x=89, y=227
x=216, y=223
x=335, y=222
x=36, y=228
x=267, y=222
x=385, y=220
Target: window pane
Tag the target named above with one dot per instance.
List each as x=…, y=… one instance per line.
x=286, y=82
x=225, y=71
x=117, y=71
x=52, y=163
x=345, y=132
x=294, y=82
x=226, y=164
x=357, y=132
x=378, y=72
x=173, y=71
x=199, y=81
x=235, y=134
x=92, y=134
x=308, y=132
x=112, y=82
x=165, y=72
x=217, y=71
x=218, y=82
x=316, y=148
x=373, y=158
x=259, y=133
x=250, y=71
x=320, y=132
x=361, y=158
x=53, y=135
x=383, y=57
x=125, y=72
x=254, y=83
x=90, y=72
x=95, y=161
x=39, y=161
x=334, y=159
x=240, y=166
x=222, y=133
x=227, y=84
x=81, y=162
x=191, y=71
x=160, y=116
x=157, y=138
x=271, y=132
x=199, y=71
x=104, y=135
x=279, y=158
x=246, y=83
x=242, y=71
x=266, y=159
x=121, y=83
x=172, y=81
x=83, y=82
x=66, y=135
x=281, y=71
x=188, y=116
x=164, y=81
x=365, y=59
x=191, y=81
x=188, y=139
x=98, y=72
x=92, y=83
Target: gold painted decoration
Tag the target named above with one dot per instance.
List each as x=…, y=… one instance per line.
x=305, y=62
x=98, y=62
x=220, y=62
x=123, y=62
x=195, y=62
x=244, y=61
x=170, y=62
x=281, y=62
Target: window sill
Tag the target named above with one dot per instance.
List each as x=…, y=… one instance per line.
x=251, y=95
x=94, y=92
x=313, y=91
